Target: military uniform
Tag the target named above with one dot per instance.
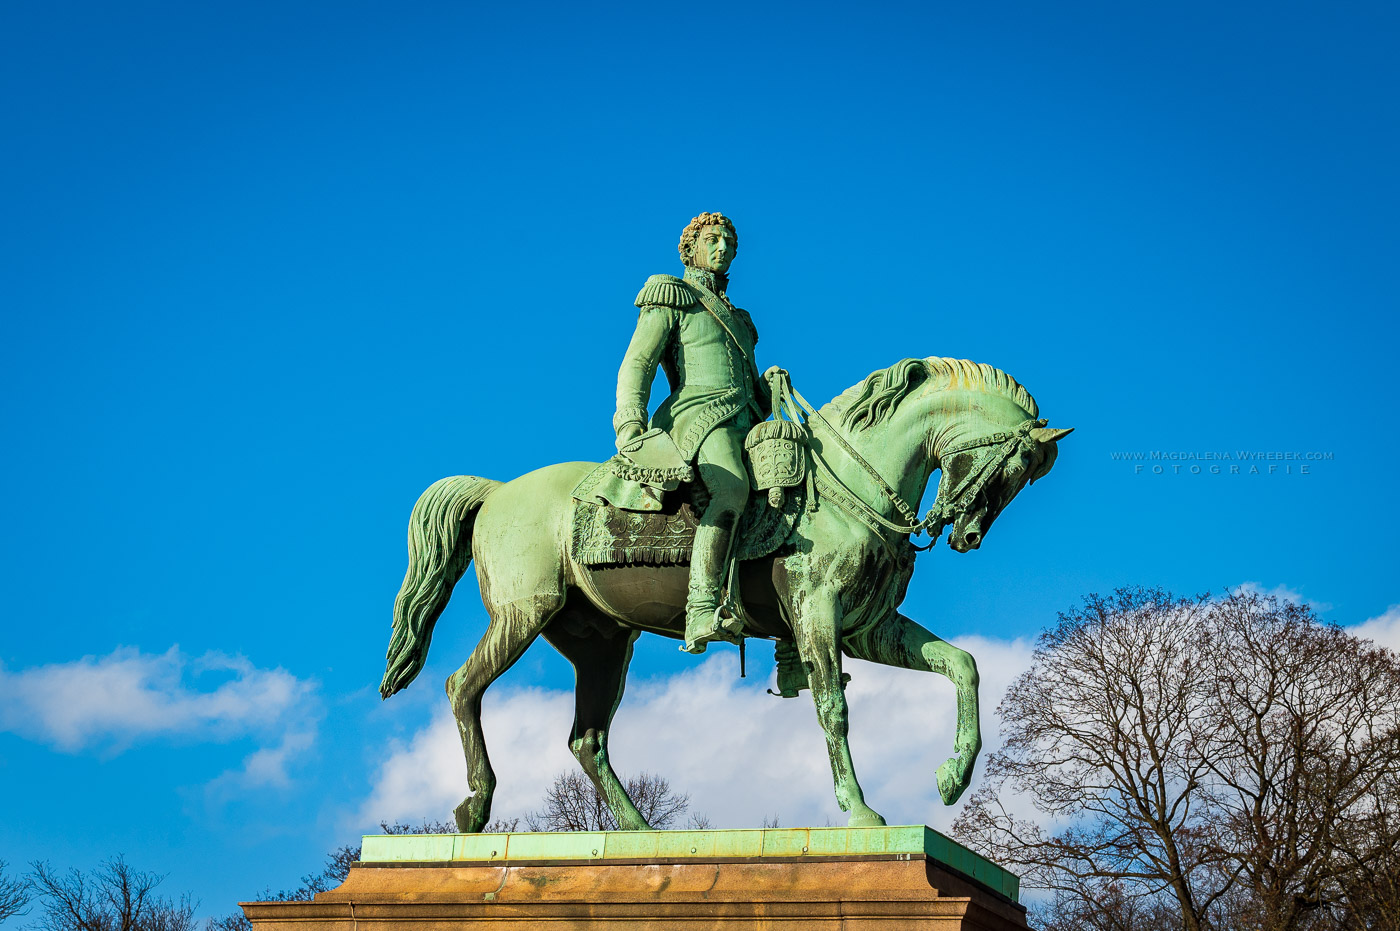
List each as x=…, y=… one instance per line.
x=708, y=361
x=705, y=345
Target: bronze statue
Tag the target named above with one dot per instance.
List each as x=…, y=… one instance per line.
x=590, y=555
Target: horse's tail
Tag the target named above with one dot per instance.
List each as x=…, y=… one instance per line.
x=439, y=550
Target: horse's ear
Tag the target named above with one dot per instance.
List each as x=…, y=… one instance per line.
x=1046, y=437
x=1050, y=434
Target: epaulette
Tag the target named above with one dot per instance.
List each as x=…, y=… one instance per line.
x=666, y=290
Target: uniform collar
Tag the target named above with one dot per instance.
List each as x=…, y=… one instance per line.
x=712, y=281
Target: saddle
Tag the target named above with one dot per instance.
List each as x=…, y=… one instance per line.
x=604, y=535
x=642, y=506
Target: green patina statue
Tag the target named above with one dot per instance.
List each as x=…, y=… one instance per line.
x=666, y=538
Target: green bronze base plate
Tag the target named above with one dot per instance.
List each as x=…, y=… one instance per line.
x=902, y=841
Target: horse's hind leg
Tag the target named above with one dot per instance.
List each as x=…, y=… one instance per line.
x=898, y=641
x=513, y=626
x=600, y=668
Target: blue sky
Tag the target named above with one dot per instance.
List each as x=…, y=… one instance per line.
x=271, y=269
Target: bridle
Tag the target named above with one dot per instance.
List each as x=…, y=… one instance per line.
x=945, y=509
x=1011, y=441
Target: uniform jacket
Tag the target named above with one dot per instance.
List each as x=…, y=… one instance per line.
x=706, y=353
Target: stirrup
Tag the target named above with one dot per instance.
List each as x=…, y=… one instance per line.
x=721, y=628
x=733, y=624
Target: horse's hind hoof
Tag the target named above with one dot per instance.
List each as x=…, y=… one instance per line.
x=950, y=786
x=866, y=819
x=470, y=818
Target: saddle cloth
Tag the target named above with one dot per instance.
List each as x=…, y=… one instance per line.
x=607, y=536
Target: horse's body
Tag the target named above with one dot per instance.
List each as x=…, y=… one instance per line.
x=833, y=588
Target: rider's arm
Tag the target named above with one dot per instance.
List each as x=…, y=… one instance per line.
x=655, y=325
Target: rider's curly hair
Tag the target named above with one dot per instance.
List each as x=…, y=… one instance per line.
x=692, y=230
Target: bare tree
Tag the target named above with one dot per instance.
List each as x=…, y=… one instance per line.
x=233, y=921
x=1098, y=733
x=113, y=897
x=335, y=872
x=572, y=803
x=14, y=894
x=1305, y=730
x=1372, y=890
x=1224, y=755
x=426, y=826
x=1105, y=905
x=332, y=874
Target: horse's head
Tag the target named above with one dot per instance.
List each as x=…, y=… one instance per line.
x=981, y=476
x=973, y=421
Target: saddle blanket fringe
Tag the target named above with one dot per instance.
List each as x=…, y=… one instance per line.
x=609, y=536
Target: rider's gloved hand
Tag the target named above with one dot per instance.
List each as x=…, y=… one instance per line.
x=627, y=433
x=773, y=372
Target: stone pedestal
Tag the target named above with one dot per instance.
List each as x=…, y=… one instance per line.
x=856, y=879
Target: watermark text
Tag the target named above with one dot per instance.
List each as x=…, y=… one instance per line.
x=1223, y=461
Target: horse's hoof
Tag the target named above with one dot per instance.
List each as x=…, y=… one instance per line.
x=866, y=819
x=951, y=784
x=469, y=817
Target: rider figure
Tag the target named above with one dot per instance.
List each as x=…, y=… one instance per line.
x=705, y=345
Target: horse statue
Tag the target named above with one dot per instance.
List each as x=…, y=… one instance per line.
x=831, y=586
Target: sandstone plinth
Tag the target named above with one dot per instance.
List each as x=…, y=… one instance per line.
x=857, y=879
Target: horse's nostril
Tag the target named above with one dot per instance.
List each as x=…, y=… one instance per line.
x=972, y=538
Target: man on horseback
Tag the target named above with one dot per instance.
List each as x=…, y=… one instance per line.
x=706, y=347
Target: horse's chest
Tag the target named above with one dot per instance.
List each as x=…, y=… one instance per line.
x=857, y=576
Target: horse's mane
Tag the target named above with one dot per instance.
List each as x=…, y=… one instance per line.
x=874, y=399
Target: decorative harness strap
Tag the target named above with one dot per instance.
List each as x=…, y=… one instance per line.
x=972, y=484
x=912, y=523
x=943, y=511
x=717, y=310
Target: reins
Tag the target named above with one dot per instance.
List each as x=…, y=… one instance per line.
x=943, y=511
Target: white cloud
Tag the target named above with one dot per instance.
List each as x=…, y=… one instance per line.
x=427, y=775
x=1282, y=593
x=109, y=702
x=742, y=755
x=1385, y=630
x=268, y=766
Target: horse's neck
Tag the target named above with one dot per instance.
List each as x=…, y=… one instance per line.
x=904, y=448
x=962, y=416
x=898, y=449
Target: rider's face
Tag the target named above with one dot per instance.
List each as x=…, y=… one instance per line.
x=714, y=249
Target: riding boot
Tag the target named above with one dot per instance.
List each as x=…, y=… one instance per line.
x=704, y=618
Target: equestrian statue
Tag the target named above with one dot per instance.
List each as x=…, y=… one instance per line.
x=733, y=510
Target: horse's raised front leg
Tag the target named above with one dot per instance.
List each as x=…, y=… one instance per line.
x=513, y=626
x=898, y=641
x=816, y=629
x=600, y=671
